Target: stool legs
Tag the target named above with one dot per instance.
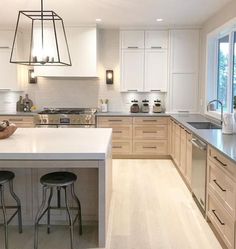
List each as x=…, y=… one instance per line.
x=48, y=212
x=4, y=216
x=70, y=220
x=79, y=208
x=18, y=205
x=38, y=217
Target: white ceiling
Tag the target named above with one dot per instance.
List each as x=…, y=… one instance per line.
x=118, y=13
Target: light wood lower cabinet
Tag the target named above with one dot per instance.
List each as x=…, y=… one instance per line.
x=137, y=136
x=181, y=149
x=150, y=147
x=221, y=220
x=20, y=121
x=221, y=195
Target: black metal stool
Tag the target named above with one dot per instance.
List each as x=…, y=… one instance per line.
x=58, y=180
x=7, y=177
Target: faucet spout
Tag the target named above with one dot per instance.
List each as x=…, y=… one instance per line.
x=222, y=108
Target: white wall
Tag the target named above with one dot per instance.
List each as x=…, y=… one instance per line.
x=57, y=92
x=224, y=15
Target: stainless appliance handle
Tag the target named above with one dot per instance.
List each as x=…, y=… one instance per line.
x=198, y=144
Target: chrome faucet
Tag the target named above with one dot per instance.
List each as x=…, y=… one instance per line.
x=221, y=104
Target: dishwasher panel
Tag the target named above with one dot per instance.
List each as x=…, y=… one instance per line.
x=199, y=167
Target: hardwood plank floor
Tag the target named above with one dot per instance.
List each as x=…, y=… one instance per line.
x=151, y=209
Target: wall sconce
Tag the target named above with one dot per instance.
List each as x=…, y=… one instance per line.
x=32, y=77
x=109, y=76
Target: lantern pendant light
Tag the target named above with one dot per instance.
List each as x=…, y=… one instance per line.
x=40, y=39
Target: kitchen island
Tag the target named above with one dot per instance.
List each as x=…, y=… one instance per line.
x=30, y=153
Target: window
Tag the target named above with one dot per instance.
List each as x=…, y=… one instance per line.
x=223, y=70
x=234, y=70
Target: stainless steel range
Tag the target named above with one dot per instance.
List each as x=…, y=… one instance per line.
x=66, y=118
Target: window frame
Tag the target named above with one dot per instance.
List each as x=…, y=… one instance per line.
x=212, y=72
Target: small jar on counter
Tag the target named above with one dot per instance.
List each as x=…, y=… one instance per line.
x=145, y=106
x=134, y=107
x=157, y=108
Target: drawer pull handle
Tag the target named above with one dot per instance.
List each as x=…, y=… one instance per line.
x=117, y=131
x=116, y=147
x=151, y=132
x=159, y=47
x=149, y=147
x=115, y=120
x=217, y=217
x=217, y=184
x=134, y=47
x=150, y=120
x=16, y=119
x=223, y=164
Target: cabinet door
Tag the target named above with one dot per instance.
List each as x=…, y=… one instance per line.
x=183, y=148
x=132, y=70
x=83, y=51
x=156, y=70
x=177, y=145
x=132, y=39
x=6, y=39
x=185, y=51
x=188, y=173
x=8, y=71
x=156, y=39
x=184, y=92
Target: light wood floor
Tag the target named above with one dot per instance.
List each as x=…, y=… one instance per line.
x=151, y=209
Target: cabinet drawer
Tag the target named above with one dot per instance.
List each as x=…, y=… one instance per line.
x=222, y=161
x=221, y=220
x=144, y=147
x=121, y=147
x=223, y=186
x=121, y=132
x=150, y=132
x=19, y=121
x=110, y=121
x=150, y=120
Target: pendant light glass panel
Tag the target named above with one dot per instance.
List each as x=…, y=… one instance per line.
x=40, y=40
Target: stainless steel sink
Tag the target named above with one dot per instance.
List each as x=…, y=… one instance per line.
x=204, y=125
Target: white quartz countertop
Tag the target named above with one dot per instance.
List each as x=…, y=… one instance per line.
x=56, y=144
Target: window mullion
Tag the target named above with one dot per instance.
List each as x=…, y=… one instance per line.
x=230, y=79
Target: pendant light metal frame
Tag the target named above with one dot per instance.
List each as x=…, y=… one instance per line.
x=41, y=15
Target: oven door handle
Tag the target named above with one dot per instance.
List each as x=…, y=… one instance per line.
x=198, y=144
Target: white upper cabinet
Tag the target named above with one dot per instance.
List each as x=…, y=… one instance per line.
x=184, y=75
x=82, y=43
x=185, y=51
x=132, y=39
x=156, y=65
x=132, y=77
x=10, y=74
x=156, y=39
x=6, y=38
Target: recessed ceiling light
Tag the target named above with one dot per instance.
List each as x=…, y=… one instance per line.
x=159, y=20
x=98, y=19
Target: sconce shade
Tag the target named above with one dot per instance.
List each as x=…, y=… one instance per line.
x=46, y=43
x=32, y=77
x=109, y=76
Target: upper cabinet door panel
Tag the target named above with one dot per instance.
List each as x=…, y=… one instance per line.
x=6, y=39
x=185, y=51
x=156, y=39
x=156, y=70
x=184, y=92
x=132, y=71
x=8, y=71
x=132, y=39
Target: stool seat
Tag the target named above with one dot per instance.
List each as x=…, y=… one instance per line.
x=58, y=179
x=6, y=176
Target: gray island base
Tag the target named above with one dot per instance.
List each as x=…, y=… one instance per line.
x=31, y=153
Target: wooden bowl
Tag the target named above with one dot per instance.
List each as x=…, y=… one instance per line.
x=8, y=131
